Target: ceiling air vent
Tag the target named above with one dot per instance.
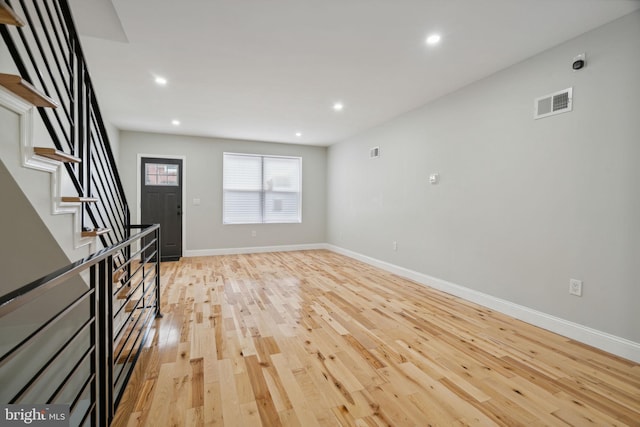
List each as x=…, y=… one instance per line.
x=555, y=103
x=374, y=152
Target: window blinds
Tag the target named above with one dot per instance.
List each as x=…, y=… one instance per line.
x=261, y=189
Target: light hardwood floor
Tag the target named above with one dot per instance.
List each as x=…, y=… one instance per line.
x=315, y=338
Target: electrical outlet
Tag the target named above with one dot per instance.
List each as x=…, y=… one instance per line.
x=395, y=245
x=253, y=233
x=575, y=287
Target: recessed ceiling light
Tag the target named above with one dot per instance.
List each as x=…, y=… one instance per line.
x=433, y=39
x=338, y=106
x=161, y=81
x=175, y=122
x=298, y=134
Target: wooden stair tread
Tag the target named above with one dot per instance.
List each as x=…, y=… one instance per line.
x=131, y=305
x=129, y=288
x=26, y=91
x=126, y=350
x=136, y=294
x=123, y=293
x=131, y=347
x=117, y=276
x=124, y=356
x=77, y=199
x=8, y=16
x=96, y=232
x=54, y=154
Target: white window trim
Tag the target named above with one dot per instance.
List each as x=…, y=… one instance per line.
x=299, y=158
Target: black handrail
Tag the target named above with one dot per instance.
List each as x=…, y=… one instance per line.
x=91, y=369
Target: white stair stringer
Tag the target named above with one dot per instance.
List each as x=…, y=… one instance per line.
x=30, y=160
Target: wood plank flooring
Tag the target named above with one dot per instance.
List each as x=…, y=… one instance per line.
x=313, y=338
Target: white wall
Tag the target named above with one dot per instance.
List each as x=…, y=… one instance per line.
x=114, y=138
x=523, y=205
x=205, y=233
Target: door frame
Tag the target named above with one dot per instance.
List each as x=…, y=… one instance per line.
x=184, y=190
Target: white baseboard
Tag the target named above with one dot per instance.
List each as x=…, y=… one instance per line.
x=604, y=341
x=610, y=343
x=253, y=250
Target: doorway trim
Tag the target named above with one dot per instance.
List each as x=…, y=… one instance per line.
x=184, y=191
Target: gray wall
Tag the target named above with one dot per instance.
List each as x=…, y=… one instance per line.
x=523, y=205
x=204, y=228
x=33, y=251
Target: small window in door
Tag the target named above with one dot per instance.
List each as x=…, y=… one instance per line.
x=159, y=174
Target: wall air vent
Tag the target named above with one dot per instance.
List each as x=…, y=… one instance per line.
x=374, y=152
x=552, y=104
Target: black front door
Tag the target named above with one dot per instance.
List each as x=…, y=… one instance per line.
x=161, y=202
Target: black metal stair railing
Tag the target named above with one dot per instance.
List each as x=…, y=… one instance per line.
x=48, y=55
x=82, y=348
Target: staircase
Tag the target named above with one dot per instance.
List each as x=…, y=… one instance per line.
x=20, y=97
x=52, y=75
x=87, y=321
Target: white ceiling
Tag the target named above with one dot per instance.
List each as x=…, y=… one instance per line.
x=266, y=69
